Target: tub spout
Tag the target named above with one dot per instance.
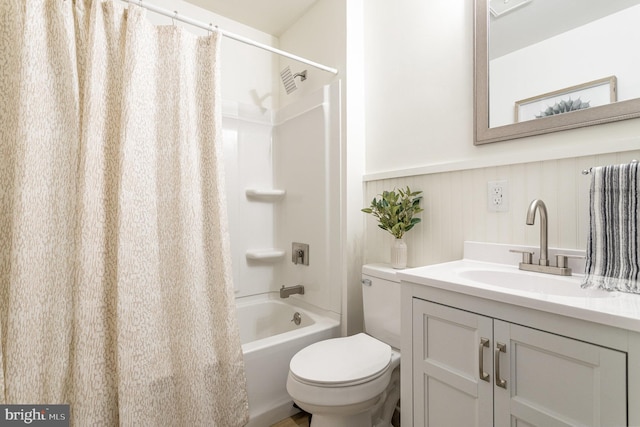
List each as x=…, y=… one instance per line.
x=286, y=291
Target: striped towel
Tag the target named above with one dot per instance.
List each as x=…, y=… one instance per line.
x=612, y=246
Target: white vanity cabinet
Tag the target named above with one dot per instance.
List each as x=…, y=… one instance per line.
x=470, y=369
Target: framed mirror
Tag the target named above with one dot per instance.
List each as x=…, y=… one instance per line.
x=543, y=66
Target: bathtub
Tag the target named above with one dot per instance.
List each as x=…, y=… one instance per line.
x=269, y=340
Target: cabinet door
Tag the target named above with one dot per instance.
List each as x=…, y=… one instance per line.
x=448, y=348
x=557, y=381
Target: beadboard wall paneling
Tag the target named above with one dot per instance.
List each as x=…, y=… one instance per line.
x=455, y=208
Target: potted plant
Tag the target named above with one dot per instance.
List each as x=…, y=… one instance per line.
x=395, y=212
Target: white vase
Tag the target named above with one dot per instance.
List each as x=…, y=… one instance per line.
x=399, y=254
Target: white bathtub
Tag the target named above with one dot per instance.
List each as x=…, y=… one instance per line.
x=269, y=340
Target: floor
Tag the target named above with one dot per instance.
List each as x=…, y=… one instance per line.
x=302, y=420
x=298, y=420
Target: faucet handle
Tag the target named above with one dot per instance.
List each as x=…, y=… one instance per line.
x=561, y=259
x=527, y=256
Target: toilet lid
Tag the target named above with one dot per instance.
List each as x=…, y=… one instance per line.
x=341, y=360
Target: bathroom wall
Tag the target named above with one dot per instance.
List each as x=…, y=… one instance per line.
x=319, y=36
x=419, y=90
x=456, y=210
x=419, y=131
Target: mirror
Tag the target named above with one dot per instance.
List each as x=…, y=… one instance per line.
x=543, y=66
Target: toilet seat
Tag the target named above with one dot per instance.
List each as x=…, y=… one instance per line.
x=341, y=362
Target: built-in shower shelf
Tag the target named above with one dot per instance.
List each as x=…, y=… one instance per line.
x=266, y=195
x=265, y=254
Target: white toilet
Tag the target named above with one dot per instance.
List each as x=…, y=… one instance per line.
x=355, y=381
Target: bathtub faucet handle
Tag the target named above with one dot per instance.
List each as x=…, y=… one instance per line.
x=300, y=253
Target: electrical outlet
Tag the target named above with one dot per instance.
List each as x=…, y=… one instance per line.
x=498, y=196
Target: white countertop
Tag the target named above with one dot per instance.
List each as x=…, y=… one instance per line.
x=615, y=309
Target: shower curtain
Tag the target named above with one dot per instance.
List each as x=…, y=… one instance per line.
x=115, y=278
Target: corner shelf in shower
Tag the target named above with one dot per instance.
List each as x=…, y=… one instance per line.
x=271, y=195
x=264, y=255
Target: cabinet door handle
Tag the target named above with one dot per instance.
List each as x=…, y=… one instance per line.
x=500, y=348
x=484, y=342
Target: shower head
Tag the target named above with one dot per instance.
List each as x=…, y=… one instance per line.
x=288, y=79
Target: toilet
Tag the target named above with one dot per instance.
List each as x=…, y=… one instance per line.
x=355, y=381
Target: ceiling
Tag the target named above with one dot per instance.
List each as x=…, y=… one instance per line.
x=271, y=16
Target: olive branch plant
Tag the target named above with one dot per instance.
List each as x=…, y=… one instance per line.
x=395, y=210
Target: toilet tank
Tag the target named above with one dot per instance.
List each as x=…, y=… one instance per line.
x=381, y=303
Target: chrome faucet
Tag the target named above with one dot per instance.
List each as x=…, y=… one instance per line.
x=286, y=292
x=543, y=266
x=538, y=205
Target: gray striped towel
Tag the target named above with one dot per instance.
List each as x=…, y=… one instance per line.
x=612, y=245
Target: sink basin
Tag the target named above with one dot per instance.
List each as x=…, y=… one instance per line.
x=541, y=284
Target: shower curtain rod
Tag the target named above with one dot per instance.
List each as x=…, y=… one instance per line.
x=175, y=15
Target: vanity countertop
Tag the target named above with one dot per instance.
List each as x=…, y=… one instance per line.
x=549, y=293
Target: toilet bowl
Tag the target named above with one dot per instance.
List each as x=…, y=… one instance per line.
x=355, y=381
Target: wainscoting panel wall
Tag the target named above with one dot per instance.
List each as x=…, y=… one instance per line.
x=456, y=208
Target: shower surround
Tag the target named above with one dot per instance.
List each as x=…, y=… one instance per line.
x=297, y=150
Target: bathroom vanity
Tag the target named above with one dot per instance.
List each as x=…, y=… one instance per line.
x=485, y=343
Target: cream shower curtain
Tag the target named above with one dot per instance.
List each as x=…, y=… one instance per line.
x=115, y=279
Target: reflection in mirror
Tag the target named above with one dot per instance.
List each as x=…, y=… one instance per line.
x=548, y=65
